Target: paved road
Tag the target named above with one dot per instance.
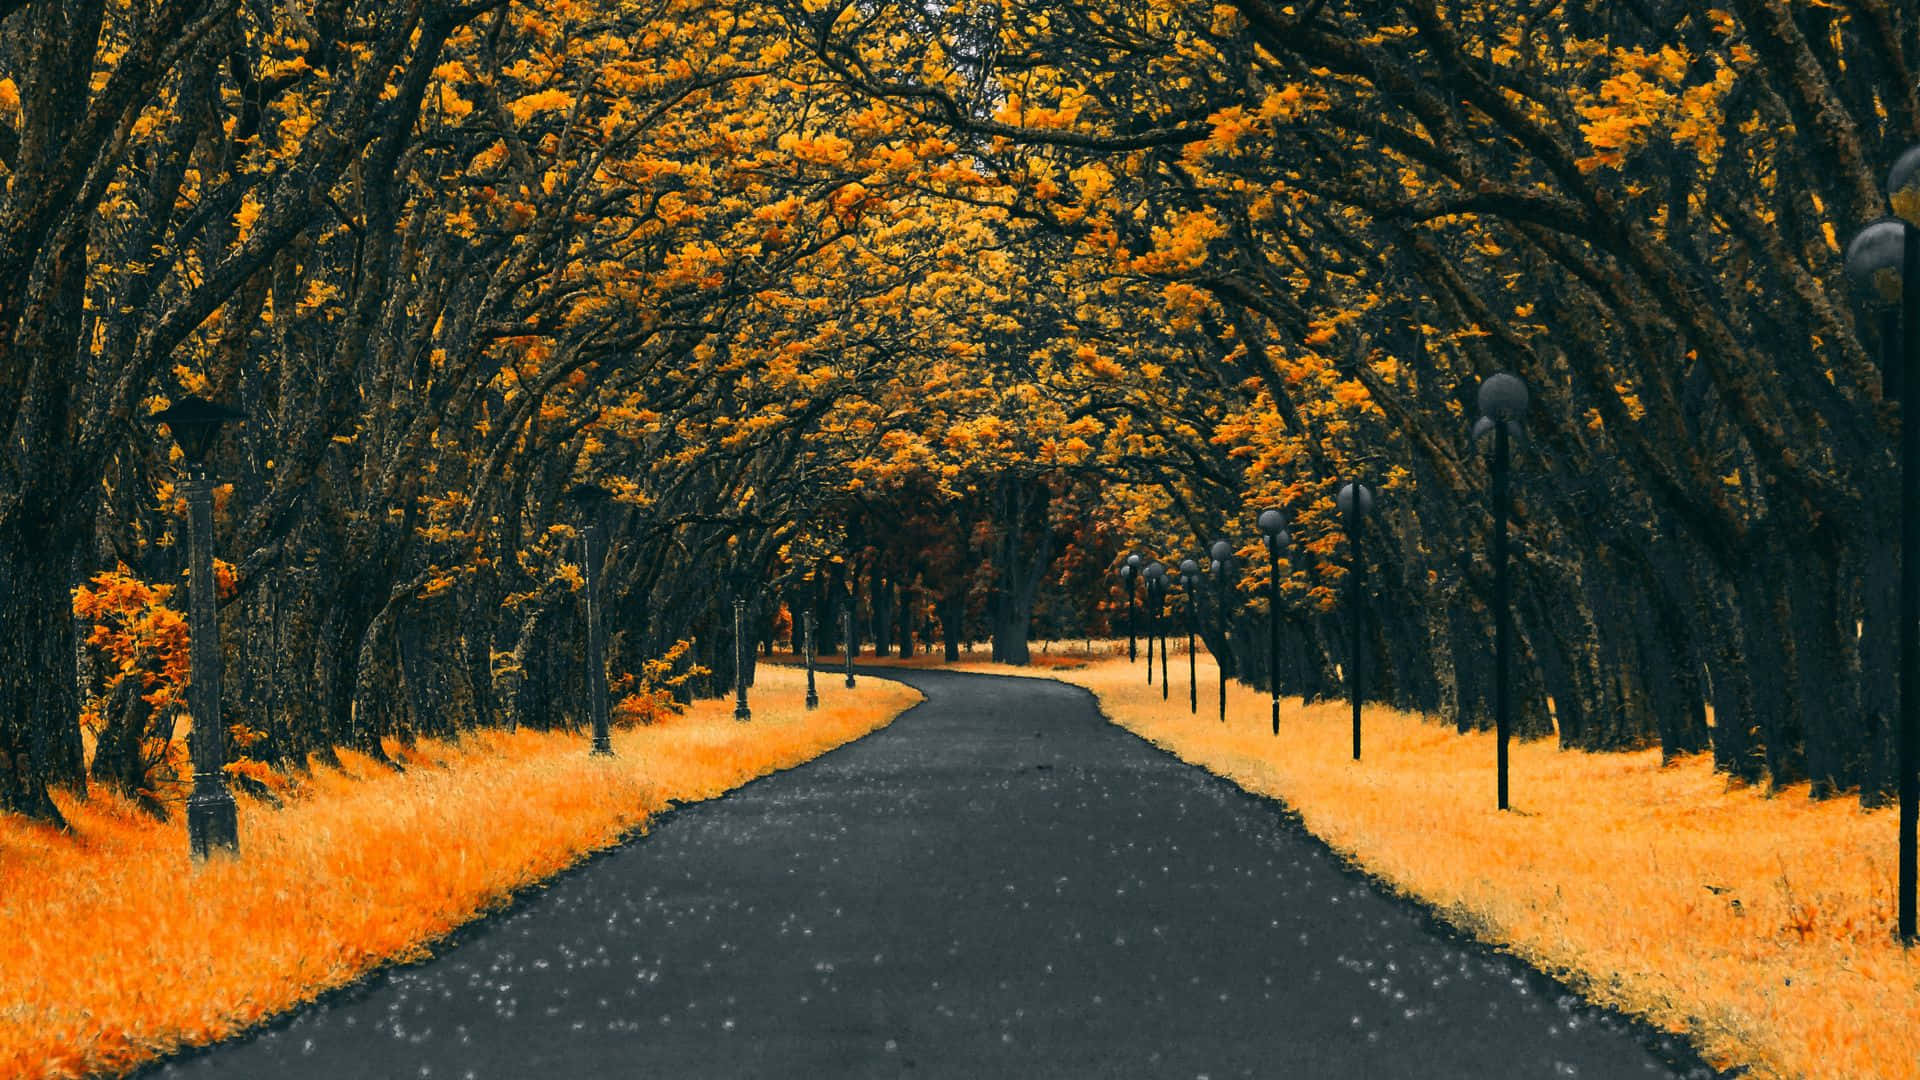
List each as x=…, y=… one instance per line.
x=999, y=884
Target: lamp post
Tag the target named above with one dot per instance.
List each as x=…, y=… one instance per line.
x=1886, y=255
x=1156, y=576
x=1145, y=578
x=1189, y=581
x=590, y=500
x=813, y=696
x=1129, y=575
x=846, y=624
x=1503, y=400
x=742, y=649
x=1273, y=526
x=1222, y=553
x=1355, y=502
x=212, y=821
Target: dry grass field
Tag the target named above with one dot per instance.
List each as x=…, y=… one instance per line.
x=1761, y=926
x=120, y=949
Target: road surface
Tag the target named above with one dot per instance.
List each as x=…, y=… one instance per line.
x=999, y=884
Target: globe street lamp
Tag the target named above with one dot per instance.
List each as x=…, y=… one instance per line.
x=1356, y=502
x=742, y=649
x=1222, y=553
x=1156, y=576
x=1874, y=259
x=1886, y=255
x=1129, y=576
x=212, y=821
x=590, y=501
x=1190, y=581
x=1273, y=526
x=1503, y=400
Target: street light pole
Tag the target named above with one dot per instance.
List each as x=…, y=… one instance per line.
x=1903, y=185
x=591, y=499
x=1355, y=501
x=1222, y=553
x=1128, y=572
x=1273, y=526
x=813, y=696
x=1146, y=575
x=1156, y=577
x=1909, y=575
x=597, y=643
x=1189, y=581
x=1503, y=399
x=741, y=650
x=212, y=818
x=1503, y=626
x=1879, y=252
x=1160, y=630
x=846, y=622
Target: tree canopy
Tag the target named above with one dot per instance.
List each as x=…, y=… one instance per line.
x=850, y=302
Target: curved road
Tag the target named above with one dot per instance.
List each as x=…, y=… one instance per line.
x=999, y=884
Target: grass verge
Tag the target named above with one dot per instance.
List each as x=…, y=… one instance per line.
x=120, y=950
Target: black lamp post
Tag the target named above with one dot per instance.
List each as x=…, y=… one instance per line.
x=1156, y=576
x=1503, y=400
x=1222, y=553
x=590, y=500
x=1886, y=255
x=846, y=624
x=813, y=696
x=1356, y=502
x=742, y=650
x=1129, y=576
x=1190, y=581
x=211, y=818
x=1273, y=526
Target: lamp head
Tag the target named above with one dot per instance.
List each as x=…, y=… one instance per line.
x=1348, y=494
x=195, y=422
x=1503, y=397
x=589, y=500
x=1903, y=185
x=1221, y=551
x=1875, y=257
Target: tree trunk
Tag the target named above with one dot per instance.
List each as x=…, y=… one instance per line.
x=39, y=682
x=1736, y=743
x=901, y=605
x=1877, y=638
x=953, y=611
x=1766, y=659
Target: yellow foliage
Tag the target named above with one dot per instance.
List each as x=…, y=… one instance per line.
x=525, y=108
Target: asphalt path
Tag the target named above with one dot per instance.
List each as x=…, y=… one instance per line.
x=999, y=884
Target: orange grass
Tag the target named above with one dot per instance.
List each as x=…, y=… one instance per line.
x=1761, y=927
x=118, y=949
